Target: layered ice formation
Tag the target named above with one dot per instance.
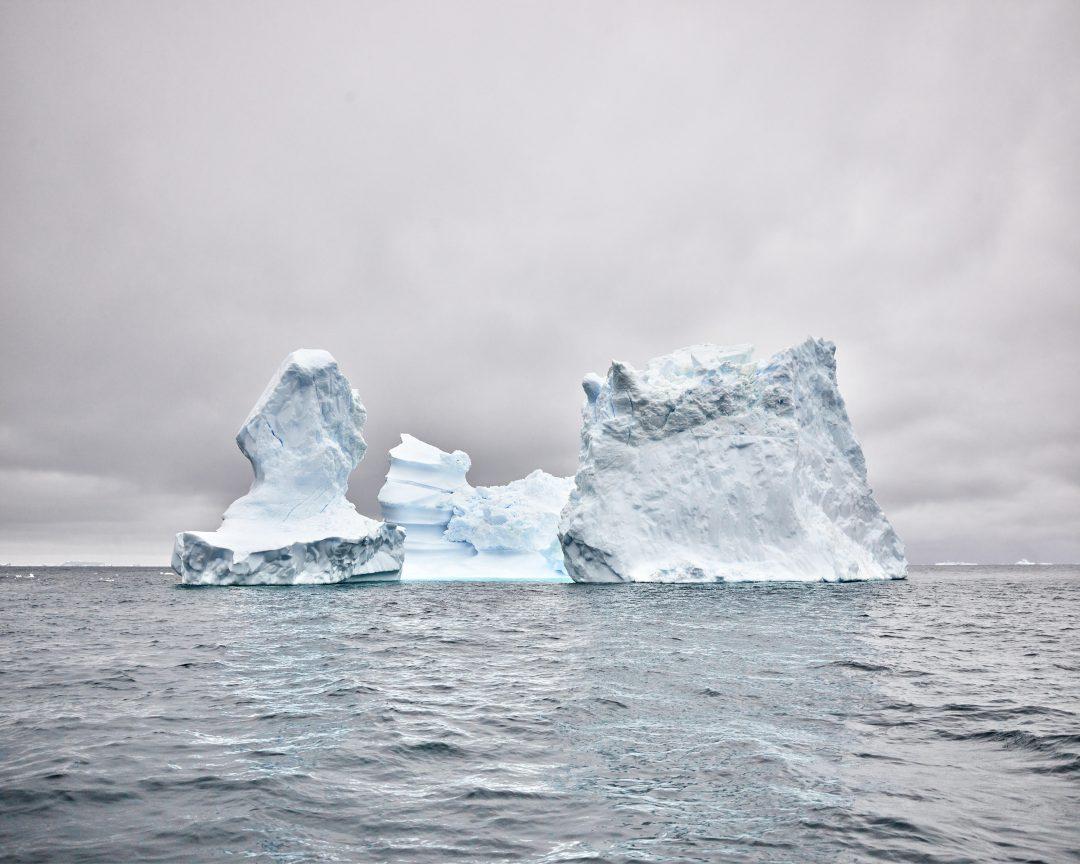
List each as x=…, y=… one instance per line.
x=455, y=532
x=303, y=439
x=417, y=493
x=708, y=466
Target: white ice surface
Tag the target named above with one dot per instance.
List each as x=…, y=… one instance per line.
x=708, y=466
x=500, y=533
x=295, y=526
x=522, y=516
x=419, y=485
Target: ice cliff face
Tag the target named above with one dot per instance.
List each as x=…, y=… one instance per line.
x=455, y=532
x=417, y=494
x=303, y=438
x=522, y=516
x=708, y=466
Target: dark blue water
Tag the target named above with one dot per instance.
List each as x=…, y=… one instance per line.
x=936, y=719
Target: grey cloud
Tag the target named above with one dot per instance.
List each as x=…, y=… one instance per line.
x=472, y=205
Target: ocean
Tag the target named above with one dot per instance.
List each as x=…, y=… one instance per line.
x=931, y=720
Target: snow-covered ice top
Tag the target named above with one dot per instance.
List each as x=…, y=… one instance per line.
x=706, y=466
x=521, y=516
x=303, y=439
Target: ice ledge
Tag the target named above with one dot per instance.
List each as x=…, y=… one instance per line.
x=205, y=558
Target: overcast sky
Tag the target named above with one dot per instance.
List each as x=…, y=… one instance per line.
x=471, y=205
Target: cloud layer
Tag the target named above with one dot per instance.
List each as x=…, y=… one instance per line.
x=472, y=205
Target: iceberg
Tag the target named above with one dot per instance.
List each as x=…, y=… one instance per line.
x=295, y=526
x=522, y=516
x=457, y=533
x=708, y=466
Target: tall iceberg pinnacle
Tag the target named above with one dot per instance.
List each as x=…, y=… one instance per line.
x=303, y=439
x=708, y=466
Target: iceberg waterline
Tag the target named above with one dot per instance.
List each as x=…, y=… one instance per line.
x=704, y=466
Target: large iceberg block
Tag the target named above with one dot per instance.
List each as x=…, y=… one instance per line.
x=303, y=439
x=455, y=532
x=707, y=466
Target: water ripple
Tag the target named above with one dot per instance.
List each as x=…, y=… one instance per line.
x=936, y=720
